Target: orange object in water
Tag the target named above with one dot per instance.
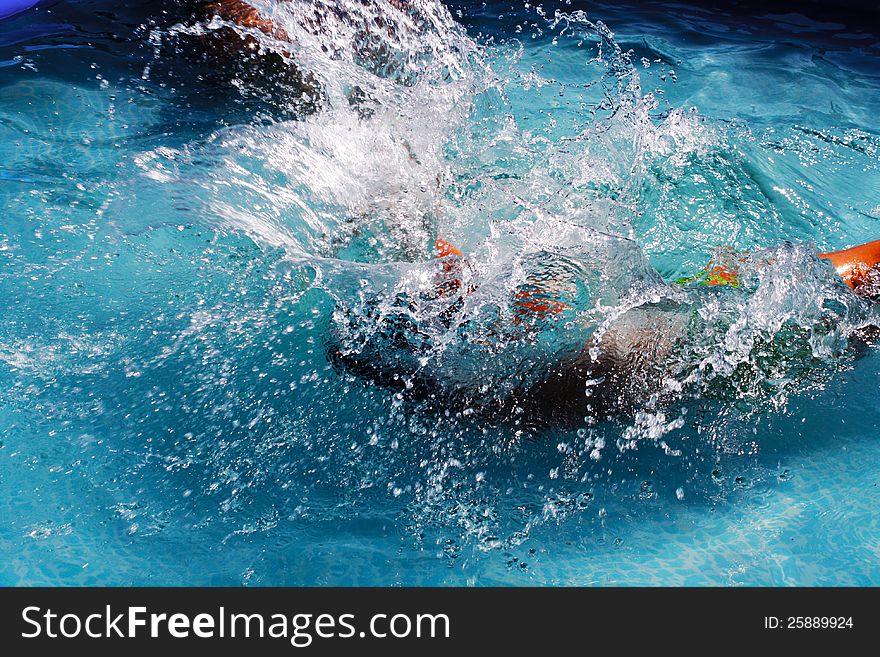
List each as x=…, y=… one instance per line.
x=529, y=302
x=451, y=285
x=720, y=275
x=722, y=270
x=246, y=15
x=853, y=264
x=445, y=249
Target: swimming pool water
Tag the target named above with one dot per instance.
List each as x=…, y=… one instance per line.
x=173, y=244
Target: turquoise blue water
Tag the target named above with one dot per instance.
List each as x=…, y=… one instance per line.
x=184, y=239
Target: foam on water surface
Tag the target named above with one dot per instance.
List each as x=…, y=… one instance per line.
x=188, y=239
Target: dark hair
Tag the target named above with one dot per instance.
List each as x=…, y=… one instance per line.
x=868, y=285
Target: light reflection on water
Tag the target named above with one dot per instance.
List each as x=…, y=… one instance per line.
x=177, y=264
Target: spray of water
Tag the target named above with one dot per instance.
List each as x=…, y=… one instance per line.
x=391, y=126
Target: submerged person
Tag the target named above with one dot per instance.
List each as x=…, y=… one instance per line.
x=615, y=372
x=623, y=365
x=227, y=43
x=264, y=56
